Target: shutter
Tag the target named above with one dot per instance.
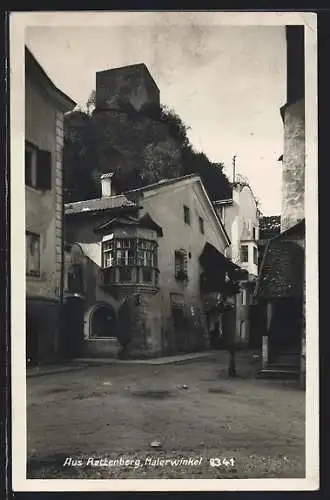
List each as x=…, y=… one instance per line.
x=44, y=170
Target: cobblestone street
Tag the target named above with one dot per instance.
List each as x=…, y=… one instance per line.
x=140, y=415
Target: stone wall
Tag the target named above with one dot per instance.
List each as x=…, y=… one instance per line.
x=293, y=176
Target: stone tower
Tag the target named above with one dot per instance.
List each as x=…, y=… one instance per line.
x=293, y=116
x=133, y=84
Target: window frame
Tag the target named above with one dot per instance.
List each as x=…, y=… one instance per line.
x=33, y=151
x=201, y=225
x=180, y=267
x=144, y=256
x=246, y=248
x=255, y=255
x=28, y=271
x=41, y=168
x=186, y=215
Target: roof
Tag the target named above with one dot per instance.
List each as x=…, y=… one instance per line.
x=96, y=204
x=31, y=64
x=126, y=199
x=162, y=183
x=282, y=269
x=118, y=201
x=215, y=268
x=146, y=221
x=211, y=258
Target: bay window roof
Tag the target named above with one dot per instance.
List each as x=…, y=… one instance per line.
x=144, y=222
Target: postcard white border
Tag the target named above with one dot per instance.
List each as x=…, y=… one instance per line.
x=18, y=22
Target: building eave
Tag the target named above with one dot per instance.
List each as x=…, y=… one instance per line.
x=215, y=216
x=229, y=201
x=33, y=67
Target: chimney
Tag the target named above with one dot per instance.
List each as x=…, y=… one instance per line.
x=106, y=184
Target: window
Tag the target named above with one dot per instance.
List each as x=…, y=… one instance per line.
x=255, y=255
x=135, y=259
x=244, y=253
x=254, y=233
x=38, y=167
x=146, y=254
x=181, y=264
x=107, y=254
x=76, y=279
x=32, y=242
x=30, y=170
x=186, y=214
x=201, y=225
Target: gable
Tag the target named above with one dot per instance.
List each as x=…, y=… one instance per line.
x=168, y=202
x=206, y=210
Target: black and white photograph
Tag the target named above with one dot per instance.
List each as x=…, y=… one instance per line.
x=164, y=180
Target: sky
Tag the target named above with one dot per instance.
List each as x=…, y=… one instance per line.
x=227, y=83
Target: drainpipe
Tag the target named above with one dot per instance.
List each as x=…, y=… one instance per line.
x=61, y=312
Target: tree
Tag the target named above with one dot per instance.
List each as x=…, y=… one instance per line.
x=269, y=226
x=137, y=150
x=91, y=102
x=160, y=162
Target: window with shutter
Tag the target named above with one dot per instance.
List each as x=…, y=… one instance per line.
x=30, y=164
x=44, y=170
x=181, y=264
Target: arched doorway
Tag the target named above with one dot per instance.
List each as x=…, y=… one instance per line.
x=103, y=322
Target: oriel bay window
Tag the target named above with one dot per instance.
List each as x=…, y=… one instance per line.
x=130, y=260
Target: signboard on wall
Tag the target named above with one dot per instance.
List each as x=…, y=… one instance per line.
x=177, y=300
